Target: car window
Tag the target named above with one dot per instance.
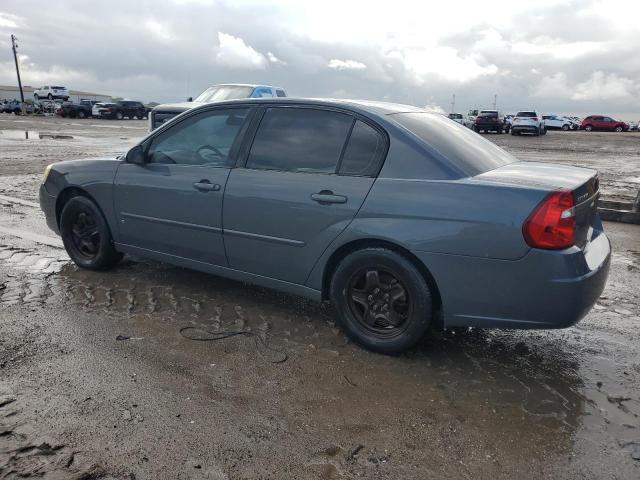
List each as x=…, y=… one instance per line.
x=204, y=139
x=364, y=151
x=299, y=140
x=527, y=114
x=607, y=119
x=462, y=147
x=488, y=114
x=280, y=93
x=263, y=93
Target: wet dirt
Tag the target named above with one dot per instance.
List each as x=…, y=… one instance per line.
x=102, y=384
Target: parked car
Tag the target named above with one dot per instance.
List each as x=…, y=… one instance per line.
x=51, y=93
x=12, y=106
x=508, y=122
x=17, y=108
x=488, y=121
x=600, y=122
x=386, y=210
x=528, y=122
x=217, y=93
x=118, y=110
x=457, y=117
x=556, y=122
x=77, y=110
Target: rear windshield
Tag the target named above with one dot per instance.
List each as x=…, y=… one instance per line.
x=465, y=149
x=224, y=92
x=488, y=114
x=527, y=114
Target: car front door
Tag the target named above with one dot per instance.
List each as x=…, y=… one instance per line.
x=302, y=182
x=172, y=203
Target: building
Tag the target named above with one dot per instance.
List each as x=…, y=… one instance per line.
x=8, y=92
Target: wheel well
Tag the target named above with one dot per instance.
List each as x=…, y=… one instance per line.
x=351, y=247
x=67, y=194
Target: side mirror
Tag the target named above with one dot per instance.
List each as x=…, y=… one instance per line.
x=190, y=99
x=136, y=155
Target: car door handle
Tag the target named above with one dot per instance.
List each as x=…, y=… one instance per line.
x=206, y=186
x=327, y=196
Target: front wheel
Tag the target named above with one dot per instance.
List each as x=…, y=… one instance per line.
x=81, y=114
x=36, y=97
x=618, y=129
x=86, y=235
x=565, y=127
x=383, y=302
x=119, y=116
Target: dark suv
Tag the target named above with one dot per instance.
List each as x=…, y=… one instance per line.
x=121, y=109
x=488, y=121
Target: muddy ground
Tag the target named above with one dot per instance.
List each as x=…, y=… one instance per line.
x=98, y=379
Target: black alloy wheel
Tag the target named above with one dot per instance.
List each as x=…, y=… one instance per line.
x=382, y=300
x=379, y=302
x=86, y=235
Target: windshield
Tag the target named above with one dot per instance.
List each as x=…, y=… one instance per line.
x=224, y=92
x=465, y=149
x=489, y=113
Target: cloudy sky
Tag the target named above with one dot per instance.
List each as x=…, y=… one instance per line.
x=555, y=56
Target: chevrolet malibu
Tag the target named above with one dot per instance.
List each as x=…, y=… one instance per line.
x=402, y=219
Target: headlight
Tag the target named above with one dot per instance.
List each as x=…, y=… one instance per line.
x=46, y=173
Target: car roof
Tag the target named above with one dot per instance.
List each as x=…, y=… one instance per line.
x=252, y=85
x=365, y=106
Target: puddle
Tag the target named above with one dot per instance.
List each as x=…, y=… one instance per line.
x=32, y=135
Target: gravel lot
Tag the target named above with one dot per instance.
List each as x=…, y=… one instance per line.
x=97, y=381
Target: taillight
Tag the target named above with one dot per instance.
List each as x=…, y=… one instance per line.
x=552, y=224
x=477, y=120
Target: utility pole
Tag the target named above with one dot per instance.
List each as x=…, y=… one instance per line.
x=453, y=104
x=495, y=101
x=15, y=58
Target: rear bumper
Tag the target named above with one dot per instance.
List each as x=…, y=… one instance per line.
x=545, y=289
x=48, y=206
x=524, y=128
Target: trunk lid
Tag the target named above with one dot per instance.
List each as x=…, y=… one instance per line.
x=582, y=182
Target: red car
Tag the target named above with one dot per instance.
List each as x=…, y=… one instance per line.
x=600, y=122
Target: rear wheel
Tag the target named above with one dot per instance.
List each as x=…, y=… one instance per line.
x=119, y=116
x=565, y=127
x=86, y=235
x=36, y=97
x=50, y=97
x=81, y=114
x=588, y=128
x=383, y=301
x=543, y=131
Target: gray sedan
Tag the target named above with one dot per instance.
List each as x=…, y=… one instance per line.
x=401, y=218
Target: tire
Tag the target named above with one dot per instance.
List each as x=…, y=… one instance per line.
x=362, y=290
x=618, y=129
x=50, y=97
x=565, y=128
x=588, y=128
x=81, y=114
x=513, y=133
x=86, y=235
x=537, y=132
x=36, y=97
x=543, y=131
x=119, y=116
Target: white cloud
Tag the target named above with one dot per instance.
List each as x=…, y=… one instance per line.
x=7, y=20
x=601, y=86
x=160, y=31
x=337, y=64
x=233, y=52
x=554, y=86
x=275, y=60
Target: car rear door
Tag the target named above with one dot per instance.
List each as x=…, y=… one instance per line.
x=301, y=183
x=172, y=204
